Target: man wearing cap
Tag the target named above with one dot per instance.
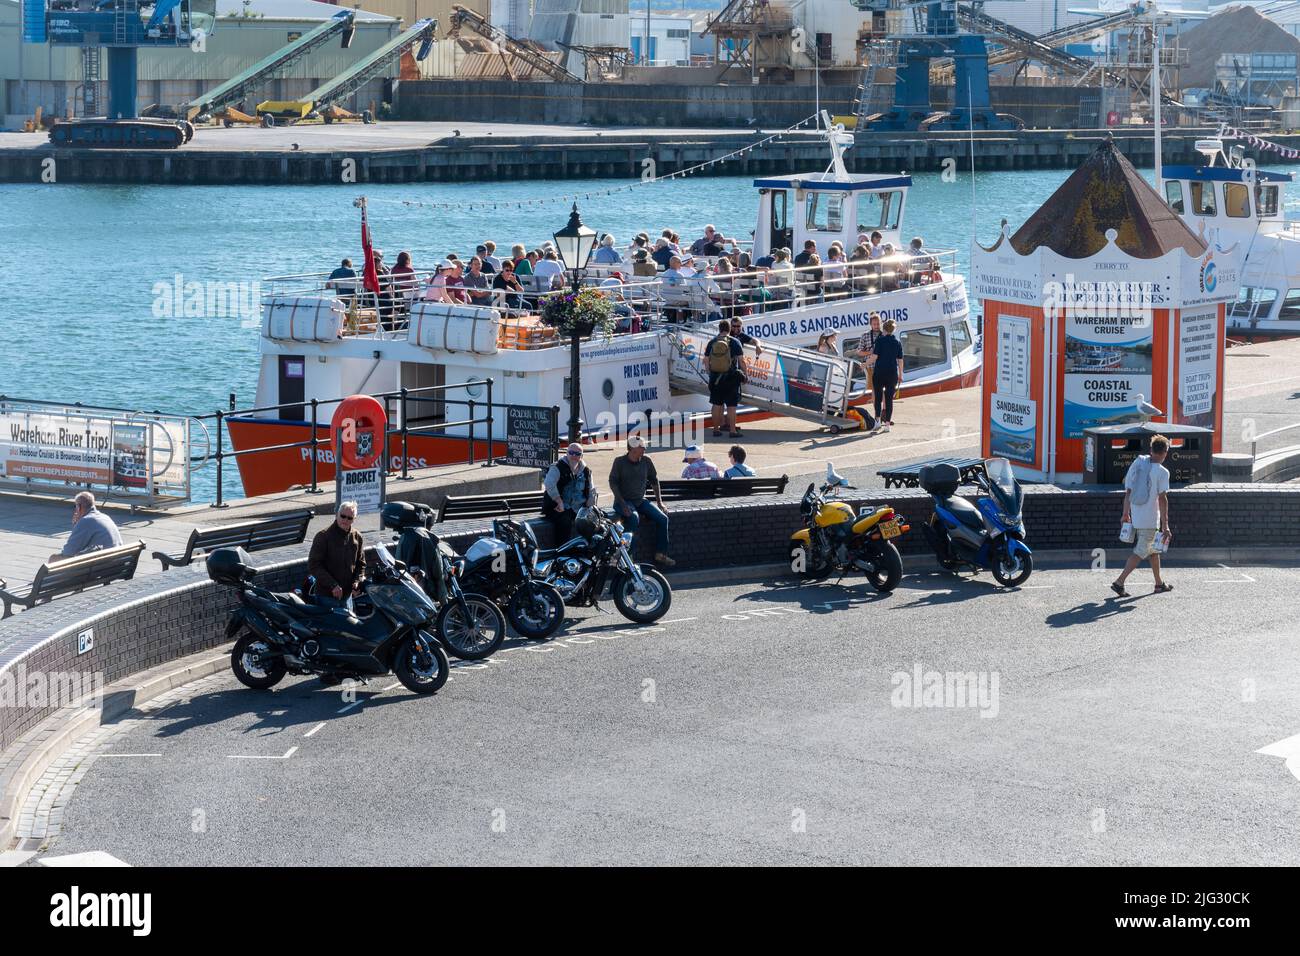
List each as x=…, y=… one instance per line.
x=629, y=478
x=697, y=466
x=568, y=489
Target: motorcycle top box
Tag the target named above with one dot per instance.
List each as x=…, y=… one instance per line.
x=399, y=515
x=230, y=566
x=941, y=480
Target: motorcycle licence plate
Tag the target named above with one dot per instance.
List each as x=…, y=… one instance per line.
x=890, y=529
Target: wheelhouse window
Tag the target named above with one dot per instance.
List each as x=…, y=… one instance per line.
x=922, y=349
x=1236, y=200
x=1265, y=201
x=879, y=210
x=825, y=211
x=1290, y=305
x=961, y=338
x=1253, y=302
x=1174, y=196
x=1203, y=199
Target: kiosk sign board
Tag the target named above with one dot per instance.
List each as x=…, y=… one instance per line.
x=1107, y=365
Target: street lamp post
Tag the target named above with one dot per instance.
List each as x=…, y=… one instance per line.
x=574, y=245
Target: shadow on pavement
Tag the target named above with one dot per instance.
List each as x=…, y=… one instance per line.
x=1092, y=611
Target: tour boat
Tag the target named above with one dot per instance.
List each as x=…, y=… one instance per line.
x=318, y=346
x=1227, y=200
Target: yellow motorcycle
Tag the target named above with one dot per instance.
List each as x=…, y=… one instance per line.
x=837, y=539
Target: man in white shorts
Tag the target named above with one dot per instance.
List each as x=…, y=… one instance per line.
x=1146, y=505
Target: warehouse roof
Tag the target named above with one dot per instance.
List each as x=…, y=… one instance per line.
x=290, y=10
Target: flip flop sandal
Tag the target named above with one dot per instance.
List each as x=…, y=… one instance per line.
x=1162, y=588
x=1119, y=589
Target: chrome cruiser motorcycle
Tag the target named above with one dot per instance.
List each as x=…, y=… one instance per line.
x=600, y=553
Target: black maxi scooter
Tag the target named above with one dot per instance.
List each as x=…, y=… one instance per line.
x=280, y=633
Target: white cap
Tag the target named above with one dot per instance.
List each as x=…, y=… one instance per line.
x=444, y=264
x=635, y=441
x=693, y=452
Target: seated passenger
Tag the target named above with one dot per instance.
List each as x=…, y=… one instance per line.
x=436, y=288
x=607, y=255
x=697, y=466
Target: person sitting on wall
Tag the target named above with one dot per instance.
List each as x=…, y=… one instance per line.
x=337, y=559
x=568, y=489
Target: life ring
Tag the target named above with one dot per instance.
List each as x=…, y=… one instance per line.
x=358, y=428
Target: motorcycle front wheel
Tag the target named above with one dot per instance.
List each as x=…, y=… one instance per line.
x=253, y=664
x=536, y=610
x=643, y=604
x=1013, y=571
x=888, y=564
x=420, y=671
x=474, y=633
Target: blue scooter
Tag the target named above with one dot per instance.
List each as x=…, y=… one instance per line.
x=988, y=534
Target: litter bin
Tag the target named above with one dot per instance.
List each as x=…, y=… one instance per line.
x=1109, y=450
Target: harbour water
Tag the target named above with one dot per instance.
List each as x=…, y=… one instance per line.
x=100, y=308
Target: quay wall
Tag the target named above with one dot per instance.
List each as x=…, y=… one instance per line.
x=615, y=155
x=151, y=620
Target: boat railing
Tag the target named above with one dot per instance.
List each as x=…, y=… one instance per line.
x=401, y=406
x=673, y=296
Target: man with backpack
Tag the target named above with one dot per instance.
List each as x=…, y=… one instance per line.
x=722, y=355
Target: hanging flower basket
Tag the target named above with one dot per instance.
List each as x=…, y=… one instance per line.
x=582, y=313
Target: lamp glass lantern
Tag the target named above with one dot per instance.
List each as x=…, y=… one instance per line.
x=575, y=243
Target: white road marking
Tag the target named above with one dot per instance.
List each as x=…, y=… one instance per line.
x=291, y=751
x=1289, y=750
x=93, y=858
x=1265, y=385
x=356, y=703
x=128, y=755
x=680, y=620
x=1244, y=579
x=392, y=687
x=315, y=730
x=882, y=448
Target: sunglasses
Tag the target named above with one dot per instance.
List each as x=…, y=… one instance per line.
x=574, y=454
x=347, y=517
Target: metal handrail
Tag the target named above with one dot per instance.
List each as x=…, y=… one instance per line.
x=1254, y=442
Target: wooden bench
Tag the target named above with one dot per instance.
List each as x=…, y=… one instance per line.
x=909, y=476
x=74, y=574
x=693, y=489
x=491, y=505
x=255, y=535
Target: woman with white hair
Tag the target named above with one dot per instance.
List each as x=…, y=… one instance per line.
x=607, y=255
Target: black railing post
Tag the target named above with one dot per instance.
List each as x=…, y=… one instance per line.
x=471, y=426
x=491, y=456
x=555, y=427
x=406, y=431
x=315, y=488
x=220, y=456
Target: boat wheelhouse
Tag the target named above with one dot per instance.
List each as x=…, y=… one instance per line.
x=320, y=344
x=1227, y=200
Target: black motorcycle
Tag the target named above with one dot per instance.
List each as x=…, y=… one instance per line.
x=600, y=553
x=280, y=633
x=504, y=567
x=469, y=624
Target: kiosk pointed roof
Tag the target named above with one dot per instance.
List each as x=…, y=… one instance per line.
x=1106, y=192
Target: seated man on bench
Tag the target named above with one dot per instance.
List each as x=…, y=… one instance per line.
x=91, y=529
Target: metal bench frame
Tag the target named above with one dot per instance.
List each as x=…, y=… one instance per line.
x=73, y=575
x=255, y=535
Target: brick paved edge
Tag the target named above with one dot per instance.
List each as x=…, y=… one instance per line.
x=22, y=765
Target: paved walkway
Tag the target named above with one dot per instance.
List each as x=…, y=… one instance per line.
x=1263, y=392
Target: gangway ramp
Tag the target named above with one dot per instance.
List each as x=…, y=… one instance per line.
x=799, y=383
x=249, y=81
x=422, y=33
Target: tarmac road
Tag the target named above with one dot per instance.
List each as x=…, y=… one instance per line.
x=762, y=724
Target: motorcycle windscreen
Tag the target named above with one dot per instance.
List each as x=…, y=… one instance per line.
x=1003, y=486
x=400, y=602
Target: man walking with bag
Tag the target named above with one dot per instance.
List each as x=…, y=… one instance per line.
x=723, y=355
x=1146, y=507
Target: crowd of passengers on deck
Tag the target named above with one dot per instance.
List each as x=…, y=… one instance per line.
x=709, y=279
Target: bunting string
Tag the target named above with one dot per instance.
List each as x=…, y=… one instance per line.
x=1250, y=139
x=605, y=191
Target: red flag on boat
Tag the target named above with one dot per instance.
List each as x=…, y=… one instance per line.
x=370, y=275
